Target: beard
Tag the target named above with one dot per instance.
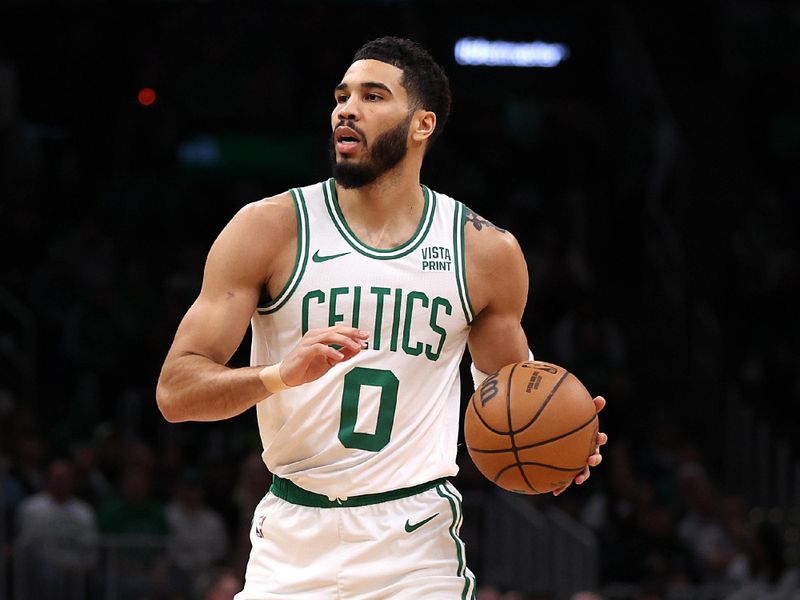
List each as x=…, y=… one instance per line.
x=389, y=149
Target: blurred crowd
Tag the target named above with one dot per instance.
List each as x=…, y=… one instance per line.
x=103, y=247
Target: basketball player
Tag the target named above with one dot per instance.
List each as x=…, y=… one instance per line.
x=363, y=291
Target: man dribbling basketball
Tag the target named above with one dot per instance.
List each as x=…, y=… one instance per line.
x=363, y=292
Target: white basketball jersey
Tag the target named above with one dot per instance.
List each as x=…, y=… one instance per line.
x=388, y=418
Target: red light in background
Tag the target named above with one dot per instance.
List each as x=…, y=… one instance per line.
x=146, y=96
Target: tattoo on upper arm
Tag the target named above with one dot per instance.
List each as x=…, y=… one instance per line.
x=470, y=216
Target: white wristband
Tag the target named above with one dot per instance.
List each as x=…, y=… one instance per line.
x=478, y=376
x=270, y=376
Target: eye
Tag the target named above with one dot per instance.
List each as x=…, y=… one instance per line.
x=341, y=98
x=372, y=97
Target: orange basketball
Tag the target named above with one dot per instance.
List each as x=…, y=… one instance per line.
x=530, y=427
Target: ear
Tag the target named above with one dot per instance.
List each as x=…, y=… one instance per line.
x=422, y=125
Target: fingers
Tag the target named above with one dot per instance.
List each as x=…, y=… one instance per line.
x=350, y=332
x=583, y=475
x=346, y=337
x=319, y=350
x=330, y=353
x=580, y=477
x=599, y=403
x=341, y=340
x=594, y=460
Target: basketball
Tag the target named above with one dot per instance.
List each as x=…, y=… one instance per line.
x=530, y=427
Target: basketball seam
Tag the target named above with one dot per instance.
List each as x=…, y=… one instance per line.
x=511, y=429
x=511, y=466
x=542, y=407
x=538, y=464
x=534, y=445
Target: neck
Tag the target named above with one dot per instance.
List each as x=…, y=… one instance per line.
x=394, y=194
x=386, y=212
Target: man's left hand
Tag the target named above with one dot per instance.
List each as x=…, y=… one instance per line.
x=595, y=459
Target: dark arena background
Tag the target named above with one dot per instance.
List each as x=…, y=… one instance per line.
x=645, y=154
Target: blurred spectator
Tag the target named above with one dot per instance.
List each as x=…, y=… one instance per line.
x=134, y=511
x=220, y=584
x=664, y=562
x=488, y=592
x=716, y=555
x=134, y=525
x=768, y=578
x=92, y=484
x=56, y=545
x=197, y=538
x=786, y=588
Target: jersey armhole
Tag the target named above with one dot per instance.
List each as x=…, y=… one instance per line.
x=301, y=257
x=460, y=261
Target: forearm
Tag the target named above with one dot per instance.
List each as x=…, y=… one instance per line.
x=496, y=341
x=195, y=388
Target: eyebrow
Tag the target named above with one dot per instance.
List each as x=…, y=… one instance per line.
x=366, y=85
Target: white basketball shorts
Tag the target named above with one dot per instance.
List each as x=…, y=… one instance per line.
x=401, y=545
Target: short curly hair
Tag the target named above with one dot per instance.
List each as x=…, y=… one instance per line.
x=423, y=78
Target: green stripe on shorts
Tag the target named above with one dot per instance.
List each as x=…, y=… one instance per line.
x=455, y=507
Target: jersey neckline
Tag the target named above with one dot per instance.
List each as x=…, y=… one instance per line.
x=335, y=212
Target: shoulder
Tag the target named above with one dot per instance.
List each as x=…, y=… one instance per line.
x=495, y=263
x=35, y=503
x=81, y=510
x=253, y=242
x=487, y=244
x=260, y=226
x=275, y=211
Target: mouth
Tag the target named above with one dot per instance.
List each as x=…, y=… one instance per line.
x=347, y=140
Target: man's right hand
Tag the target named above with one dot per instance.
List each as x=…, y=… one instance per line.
x=313, y=356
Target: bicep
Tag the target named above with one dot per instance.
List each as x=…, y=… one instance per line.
x=238, y=264
x=500, y=278
x=215, y=324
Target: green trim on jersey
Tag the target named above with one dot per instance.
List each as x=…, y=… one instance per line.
x=293, y=493
x=300, y=260
x=461, y=262
x=425, y=222
x=455, y=507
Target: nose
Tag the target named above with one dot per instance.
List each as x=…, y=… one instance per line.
x=348, y=111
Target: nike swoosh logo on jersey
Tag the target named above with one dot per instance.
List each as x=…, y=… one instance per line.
x=410, y=527
x=318, y=259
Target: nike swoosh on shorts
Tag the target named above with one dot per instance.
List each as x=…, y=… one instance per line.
x=410, y=527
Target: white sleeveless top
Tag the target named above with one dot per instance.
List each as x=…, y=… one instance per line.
x=387, y=418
